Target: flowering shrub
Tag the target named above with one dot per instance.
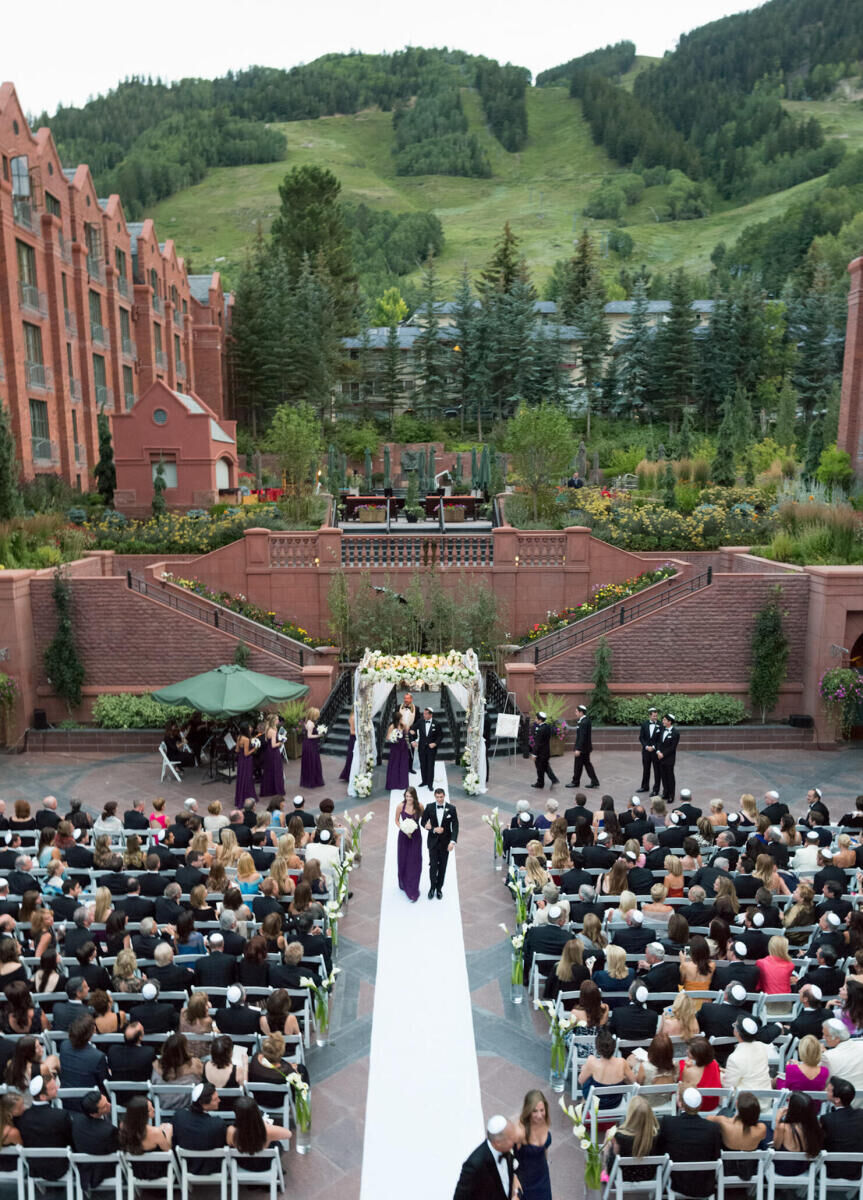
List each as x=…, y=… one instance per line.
x=125, y=711
x=181, y=533
x=713, y=708
x=841, y=689
x=239, y=604
x=607, y=594
x=417, y=670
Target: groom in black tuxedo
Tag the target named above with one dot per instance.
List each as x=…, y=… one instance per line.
x=487, y=1173
x=426, y=742
x=440, y=819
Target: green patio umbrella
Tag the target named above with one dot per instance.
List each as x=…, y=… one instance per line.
x=229, y=691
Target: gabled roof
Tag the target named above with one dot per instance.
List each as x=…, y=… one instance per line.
x=199, y=286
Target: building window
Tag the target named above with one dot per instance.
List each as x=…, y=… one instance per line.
x=175, y=299
x=26, y=263
x=39, y=426
x=20, y=176
x=95, y=308
x=69, y=359
x=120, y=261
x=125, y=325
x=33, y=344
x=178, y=354
x=128, y=388
x=169, y=469
x=160, y=416
x=65, y=292
x=52, y=203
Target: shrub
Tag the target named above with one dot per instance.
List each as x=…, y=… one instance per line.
x=178, y=533
x=700, y=471
x=136, y=712
x=686, y=498
x=834, y=468
x=624, y=462
x=713, y=708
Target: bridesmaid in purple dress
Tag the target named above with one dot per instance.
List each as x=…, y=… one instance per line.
x=349, y=757
x=245, y=789
x=273, y=780
x=399, y=761
x=410, y=846
x=311, y=773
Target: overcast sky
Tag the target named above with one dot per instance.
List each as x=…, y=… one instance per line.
x=64, y=54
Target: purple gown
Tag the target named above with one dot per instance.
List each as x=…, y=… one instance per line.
x=398, y=765
x=245, y=788
x=410, y=860
x=273, y=779
x=349, y=758
x=311, y=772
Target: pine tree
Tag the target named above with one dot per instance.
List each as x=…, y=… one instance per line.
x=770, y=651
x=391, y=382
x=10, y=493
x=505, y=266
x=428, y=351
x=669, y=482
x=579, y=275
x=741, y=408
x=722, y=470
x=686, y=436
x=676, y=349
x=590, y=319
x=636, y=355
x=602, y=703
x=63, y=667
x=715, y=370
x=749, y=469
x=786, y=414
x=105, y=472
x=814, y=447
x=159, y=504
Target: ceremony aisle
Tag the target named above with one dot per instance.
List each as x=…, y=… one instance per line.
x=423, y=1110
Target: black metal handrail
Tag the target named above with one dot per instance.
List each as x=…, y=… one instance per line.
x=384, y=718
x=454, y=727
x=614, y=616
x=496, y=694
x=202, y=608
x=341, y=694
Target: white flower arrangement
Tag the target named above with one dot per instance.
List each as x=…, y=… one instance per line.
x=408, y=826
x=363, y=783
x=471, y=783
x=320, y=730
x=255, y=743
x=395, y=736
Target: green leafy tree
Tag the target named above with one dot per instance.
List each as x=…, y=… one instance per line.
x=10, y=494
x=242, y=654
x=105, y=472
x=770, y=651
x=159, y=506
x=390, y=308
x=541, y=449
x=295, y=436
x=63, y=666
x=786, y=415
x=602, y=702
x=834, y=468
x=722, y=470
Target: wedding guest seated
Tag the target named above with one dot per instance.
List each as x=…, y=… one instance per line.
x=776, y=971
x=569, y=973
x=747, y=1067
x=250, y=1134
x=657, y=1067
x=605, y=1068
x=277, y=1017
x=680, y=1019
x=699, y=1069
x=132, y=1061
x=744, y=1132
x=843, y=1054
x=270, y=1066
x=843, y=1126
x=810, y=1073
x=589, y=1008
x=107, y=1021
x=227, y=1067
x=237, y=1017
x=137, y=1138
x=798, y=1131
x=687, y=1137
x=177, y=1066
x=656, y=913
x=634, y=1020
x=196, y=1128
x=636, y=1138
x=196, y=1024
x=615, y=976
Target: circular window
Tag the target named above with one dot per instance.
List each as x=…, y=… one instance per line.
x=15, y=128
x=160, y=416
x=50, y=168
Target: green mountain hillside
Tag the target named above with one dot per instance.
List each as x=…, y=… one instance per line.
x=542, y=191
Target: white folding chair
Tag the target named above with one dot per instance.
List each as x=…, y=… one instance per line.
x=662, y=1098
x=616, y=1187
x=273, y=1098
x=797, y=1182
x=167, y=765
x=677, y=1174
x=218, y=1176
x=850, y=1181
x=113, y=1180
x=274, y=1176
x=34, y=1157
x=611, y=1114
x=15, y=1179
x=163, y=1183
x=748, y=1180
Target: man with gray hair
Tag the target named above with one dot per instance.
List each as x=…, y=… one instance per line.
x=233, y=941
x=634, y=1021
x=774, y=809
x=168, y=907
x=521, y=806
x=75, y=937
x=654, y=854
x=726, y=847
x=844, y=1055
x=144, y=943
x=48, y=817
x=169, y=976
x=655, y=973
x=586, y=904
x=20, y=880
x=488, y=1172
x=812, y=1014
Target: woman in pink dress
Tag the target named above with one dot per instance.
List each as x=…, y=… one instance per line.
x=808, y=1074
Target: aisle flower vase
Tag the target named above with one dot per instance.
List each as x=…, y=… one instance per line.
x=302, y=1113
x=516, y=979
x=556, y=1080
x=322, y=1020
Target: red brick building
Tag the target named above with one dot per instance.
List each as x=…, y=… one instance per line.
x=93, y=309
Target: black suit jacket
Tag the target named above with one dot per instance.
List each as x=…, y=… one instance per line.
x=153, y=884
x=598, y=856
x=449, y=824
x=45, y=818
x=198, y=1131
x=645, y=736
x=826, y=874
x=775, y=812
x=172, y=978
x=663, y=977
x=829, y=979
x=233, y=943
x=215, y=970
x=843, y=1134
x=262, y=906
x=21, y=882
x=736, y=972
x=671, y=838
x=667, y=745
x=65, y=1012
x=243, y=833
x=584, y=735
x=167, y=911
x=189, y=877
x=640, y=880
x=578, y=810
x=519, y=837
x=131, y=1063
x=80, y=857
x=717, y=1020
x=544, y=939
x=688, y=1138
x=93, y=1135
x=424, y=740
x=238, y=1018
x=44, y=1127
x=633, y=939
x=117, y=882
x=137, y=907
x=132, y=819
x=573, y=879
x=809, y=1020
x=480, y=1178
x=180, y=834
x=155, y=1016
x=632, y=1021
x=655, y=860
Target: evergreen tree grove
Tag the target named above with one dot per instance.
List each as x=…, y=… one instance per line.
x=770, y=651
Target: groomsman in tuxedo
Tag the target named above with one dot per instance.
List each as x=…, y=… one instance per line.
x=648, y=736
x=427, y=742
x=666, y=752
x=542, y=752
x=440, y=820
x=488, y=1173
x=583, y=748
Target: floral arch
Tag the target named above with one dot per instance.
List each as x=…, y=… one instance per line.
x=375, y=676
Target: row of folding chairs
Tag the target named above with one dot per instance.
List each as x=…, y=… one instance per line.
x=759, y=1173
x=224, y=1170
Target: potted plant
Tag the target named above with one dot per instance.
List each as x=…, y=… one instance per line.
x=412, y=509
x=293, y=714
x=454, y=512
x=554, y=707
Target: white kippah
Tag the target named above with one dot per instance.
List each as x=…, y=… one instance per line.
x=298, y=800
x=738, y=992
x=641, y=994
x=635, y=800
x=324, y=835
x=748, y=1025
x=197, y=1092
x=602, y=837
x=684, y=792
x=827, y=853
x=495, y=1126
x=741, y=949
x=772, y=795
x=692, y=1097
x=554, y=912
x=733, y=818
x=234, y=994
x=836, y=1027
x=676, y=817
x=189, y=801
x=815, y=991
x=36, y=1084
x=149, y=991
x=631, y=856
x=812, y=836
x=525, y=818
x=758, y=919
x=636, y=916
x=76, y=833
x=834, y=919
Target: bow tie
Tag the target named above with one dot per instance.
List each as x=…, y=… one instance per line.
x=501, y=1158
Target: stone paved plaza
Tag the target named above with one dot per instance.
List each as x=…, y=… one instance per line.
x=511, y=1041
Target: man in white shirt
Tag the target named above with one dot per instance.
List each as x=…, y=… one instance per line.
x=844, y=1055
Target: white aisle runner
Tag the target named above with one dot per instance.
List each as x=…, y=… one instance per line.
x=423, y=1108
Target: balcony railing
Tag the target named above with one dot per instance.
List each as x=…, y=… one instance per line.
x=95, y=268
x=161, y=360
x=75, y=390
x=98, y=334
x=22, y=211
x=158, y=306
x=44, y=450
x=71, y=323
x=129, y=350
x=123, y=286
x=39, y=376
x=32, y=299
x=105, y=397
x=80, y=455
x=130, y=400
x=181, y=370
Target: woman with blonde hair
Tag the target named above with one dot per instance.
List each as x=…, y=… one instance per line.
x=844, y=857
x=287, y=849
x=766, y=870
x=228, y=850
x=280, y=871
x=717, y=814
x=248, y=876
x=104, y=905
x=636, y=1138
x=535, y=874
x=560, y=860
x=557, y=829
x=809, y=1073
x=801, y=912
x=617, y=916
x=133, y=857
x=673, y=881
x=201, y=844
x=748, y=809
x=593, y=939
x=569, y=974
x=127, y=976
x=725, y=887
x=102, y=852
x=215, y=819
x=776, y=971
x=679, y=1019
x=657, y=912
x=615, y=976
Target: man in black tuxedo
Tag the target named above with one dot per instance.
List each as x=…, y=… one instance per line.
x=639, y=825
x=706, y=877
x=586, y=904
x=774, y=809
x=487, y=1173
x=189, y=875
x=168, y=906
x=634, y=1021
x=47, y=817
x=169, y=976
x=115, y=879
x=215, y=969
x=579, y=809
x=196, y=1128
x=853, y=820
x=542, y=752
x=237, y=1016
x=686, y=808
x=829, y=933
x=90, y=969
x=426, y=742
x=816, y=804
x=93, y=1133
x=576, y=876
x=75, y=1005
x=180, y=831
x=812, y=1013
x=666, y=752
x=843, y=1127
x=268, y=901
x=10, y=852
x=639, y=880
x=43, y=1127
x=546, y=939
x=689, y=1138
x=657, y=973
x=827, y=871
x=440, y=820
x=135, y=817
x=654, y=854
x=234, y=943
x=716, y=1019
x=80, y=856
x=831, y=900
x=648, y=736
x=307, y=818
x=152, y=881
x=824, y=975
x=75, y=937
x=600, y=854
x=632, y=936
x=290, y=973
x=133, y=904
x=240, y=829
x=154, y=1015
x=20, y=879
x=583, y=749
x=64, y=905
x=737, y=969
x=144, y=943
x=131, y=1061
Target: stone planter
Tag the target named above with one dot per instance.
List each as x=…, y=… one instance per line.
x=557, y=747
x=292, y=744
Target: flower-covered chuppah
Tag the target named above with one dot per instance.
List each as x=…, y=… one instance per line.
x=375, y=676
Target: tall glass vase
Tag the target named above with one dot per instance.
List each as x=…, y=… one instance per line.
x=516, y=979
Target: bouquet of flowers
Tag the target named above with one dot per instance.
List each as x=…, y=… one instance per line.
x=334, y=915
x=395, y=736
x=588, y=1141
x=363, y=783
x=320, y=730
x=302, y=1101
x=255, y=744
x=522, y=892
x=341, y=871
x=517, y=941
x=408, y=826
x=471, y=783
x=355, y=824
x=321, y=1000
x=559, y=1027
x=492, y=819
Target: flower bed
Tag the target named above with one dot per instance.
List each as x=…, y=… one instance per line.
x=607, y=594
x=239, y=604
x=181, y=533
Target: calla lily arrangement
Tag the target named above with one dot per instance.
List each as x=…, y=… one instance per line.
x=492, y=819
x=517, y=942
x=522, y=892
x=588, y=1142
x=302, y=1101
